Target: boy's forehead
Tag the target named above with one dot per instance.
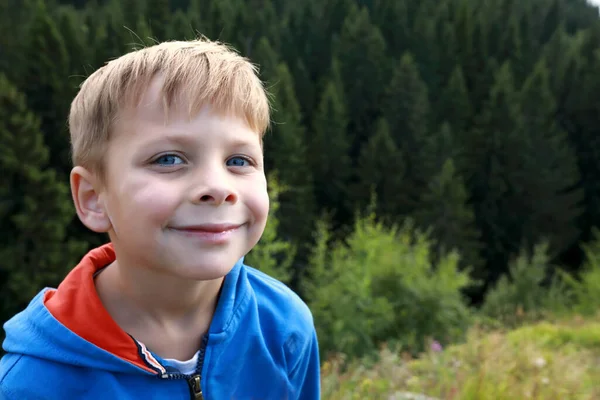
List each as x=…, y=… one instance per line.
x=152, y=104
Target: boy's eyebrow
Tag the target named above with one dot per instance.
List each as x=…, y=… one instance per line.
x=184, y=140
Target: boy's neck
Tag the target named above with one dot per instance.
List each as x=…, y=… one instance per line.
x=169, y=315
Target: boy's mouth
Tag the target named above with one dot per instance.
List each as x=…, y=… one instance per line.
x=213, y=228
x=212, y=233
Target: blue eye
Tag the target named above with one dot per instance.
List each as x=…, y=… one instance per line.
x=169, y=160
x=238, y=162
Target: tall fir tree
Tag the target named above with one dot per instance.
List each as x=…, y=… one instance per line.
x=548, y=198
x=45, y=81
x=361, y=53
x=256, y=19
x=72, y=31
x=394, y=20
x=266, y=58
x=329, y=157
x=180, y=27
x=453, y=105
x=158, y=14
x=381, y=172
x=132, y=11
x=489, y=150
x=445, y=211
x=578, y=113
x=406, y=108
x=217, y=20
x=286, y=153
x=35, y=208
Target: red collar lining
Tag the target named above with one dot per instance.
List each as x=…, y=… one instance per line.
x=77, y=306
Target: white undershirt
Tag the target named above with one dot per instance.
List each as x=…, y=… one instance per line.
x=185, y=367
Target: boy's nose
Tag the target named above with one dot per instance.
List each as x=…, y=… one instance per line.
x=214, y=189
x=216, y=196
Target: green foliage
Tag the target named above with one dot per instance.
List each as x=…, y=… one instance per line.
x=331, y=169
x=378, y=157
x=523, y=294
x=272, y=255
x=158, y=14
x=585, y=289
x=548, y=202
x=361, y=53
x=35, y=208
x=44, y=80
x=406, y=108
x=475, y=119
x=286, y=152
x=375, y=286
x=543, y=361
x=446, y=211
x=454, y=105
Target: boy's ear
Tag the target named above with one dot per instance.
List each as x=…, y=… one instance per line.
x=85, y=189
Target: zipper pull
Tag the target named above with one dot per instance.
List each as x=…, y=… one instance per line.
x=195, y=387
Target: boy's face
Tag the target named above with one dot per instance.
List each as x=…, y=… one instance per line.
x=187, y=197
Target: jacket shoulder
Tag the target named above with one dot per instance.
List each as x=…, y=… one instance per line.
x=26, y=377
x=23, y=377
x=280, y=304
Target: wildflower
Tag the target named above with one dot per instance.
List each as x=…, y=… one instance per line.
x=366, y=383
x=436, y=347
x=539, y=362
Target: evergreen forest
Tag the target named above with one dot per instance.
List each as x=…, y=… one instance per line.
x=432, y=163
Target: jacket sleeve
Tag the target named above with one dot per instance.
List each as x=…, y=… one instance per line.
x=305, y=377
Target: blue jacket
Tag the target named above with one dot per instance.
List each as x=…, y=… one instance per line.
x=261, y=344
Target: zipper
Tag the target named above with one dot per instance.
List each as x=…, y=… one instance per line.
x=195, y=387
x=194, y=381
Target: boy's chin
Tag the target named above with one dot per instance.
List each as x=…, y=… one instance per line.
x=205, y=270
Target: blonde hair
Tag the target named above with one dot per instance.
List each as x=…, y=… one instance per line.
x=203, y=71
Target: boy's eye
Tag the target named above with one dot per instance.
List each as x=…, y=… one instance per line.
x=238, y=162
x=168, y=159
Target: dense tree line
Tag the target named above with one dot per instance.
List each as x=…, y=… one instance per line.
x=478, y=120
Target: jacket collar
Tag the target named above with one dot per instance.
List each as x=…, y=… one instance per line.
x=76, y=305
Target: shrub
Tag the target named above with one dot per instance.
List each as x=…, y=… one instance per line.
x=381, y=286
x=522, y=295
x=272, y=255
x=585, y=290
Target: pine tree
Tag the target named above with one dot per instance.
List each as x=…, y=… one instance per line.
x=272, y=255
x=491, y=152
x=257, y=18
x=266, y=58
x=381, y=172
x=394, y=20
x=216, y=20
x=286, y=153
x=180, y=27
x=158, y=14
x=406, y=108
x=578, y=113
x=329, y=157
x=454, y=105
x=445, y=210
x=44, y=79
x=548, y=173
x=361, y=53
x=132, y=11
x=35, y=208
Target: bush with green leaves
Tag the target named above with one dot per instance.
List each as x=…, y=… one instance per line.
x=524, y=294
x=380, y=286
x=585, y=290
x=272, y=255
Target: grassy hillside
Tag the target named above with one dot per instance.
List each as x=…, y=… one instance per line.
x=544, y=361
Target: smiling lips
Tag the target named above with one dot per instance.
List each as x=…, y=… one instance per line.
x=209, y=233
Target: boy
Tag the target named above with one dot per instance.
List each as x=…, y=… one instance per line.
x=167, y=151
